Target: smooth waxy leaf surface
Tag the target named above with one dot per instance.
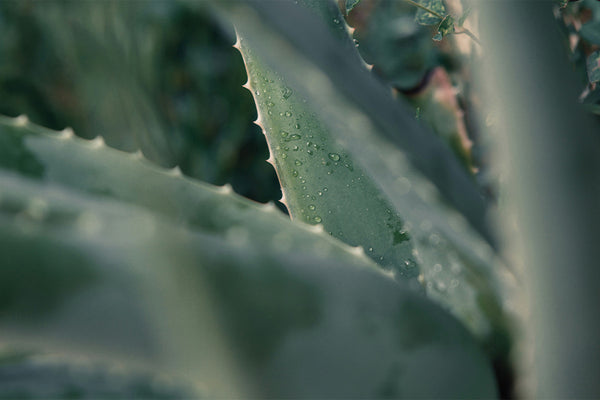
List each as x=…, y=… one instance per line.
x=45, y=376
x=321, y=182
x=96, y=169
x=214, y=306
x=458, y=269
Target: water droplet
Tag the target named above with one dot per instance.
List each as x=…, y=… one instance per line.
x=270, y=112
x=287, y=92
x=297, y=126
x=257, y=93
x=298, y=162
x=294, y=173
x=309, y=151
x=334, y=156
x=284, y=134
x=325, y=189
x=370, y=249
x=437, y=268
x=312, y=207
x=303, y=180
x=295, y=136
x=320, y=193
x=284, y=156
x=288, y=114
x=270, y=104
x=434, y=239
x=336, y=21
x=295, y=148
x=317, y=219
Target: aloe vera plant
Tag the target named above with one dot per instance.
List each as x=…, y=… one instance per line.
x=122, y=277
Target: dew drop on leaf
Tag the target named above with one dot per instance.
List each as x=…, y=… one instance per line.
x=334, y=156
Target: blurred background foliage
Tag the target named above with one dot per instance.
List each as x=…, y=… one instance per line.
x=157, y=76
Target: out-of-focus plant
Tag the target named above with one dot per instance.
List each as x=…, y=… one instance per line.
x=122, y=274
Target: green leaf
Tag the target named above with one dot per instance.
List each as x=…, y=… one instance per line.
x=593, y=66
x=304, y=43
x=424, y=17
x=93, y=168
x=458, y=269
x=445, y=27
x=321, y=182
x=243, y=321
x=591, y=32
x=45, y=376
x=350, y=4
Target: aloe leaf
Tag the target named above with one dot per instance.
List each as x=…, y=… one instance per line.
x=321, y=182
x=548, y=151
x=305, y=43
x=44, y=376
x=90, y=166
x=292, y=322
x=458, y=269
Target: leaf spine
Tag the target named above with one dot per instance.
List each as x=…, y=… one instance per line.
x=225, y=189
x=270, y=207
x=66, y=133
x=259, y=122
x=21, y=120
x=138, y=155
x=357, y=251
x=317, y=228
x=97, y=142
x=237, y=44
x=175, y=171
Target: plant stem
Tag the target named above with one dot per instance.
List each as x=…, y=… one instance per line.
x=440, y=16
x=422, y=7
x=469, y=34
